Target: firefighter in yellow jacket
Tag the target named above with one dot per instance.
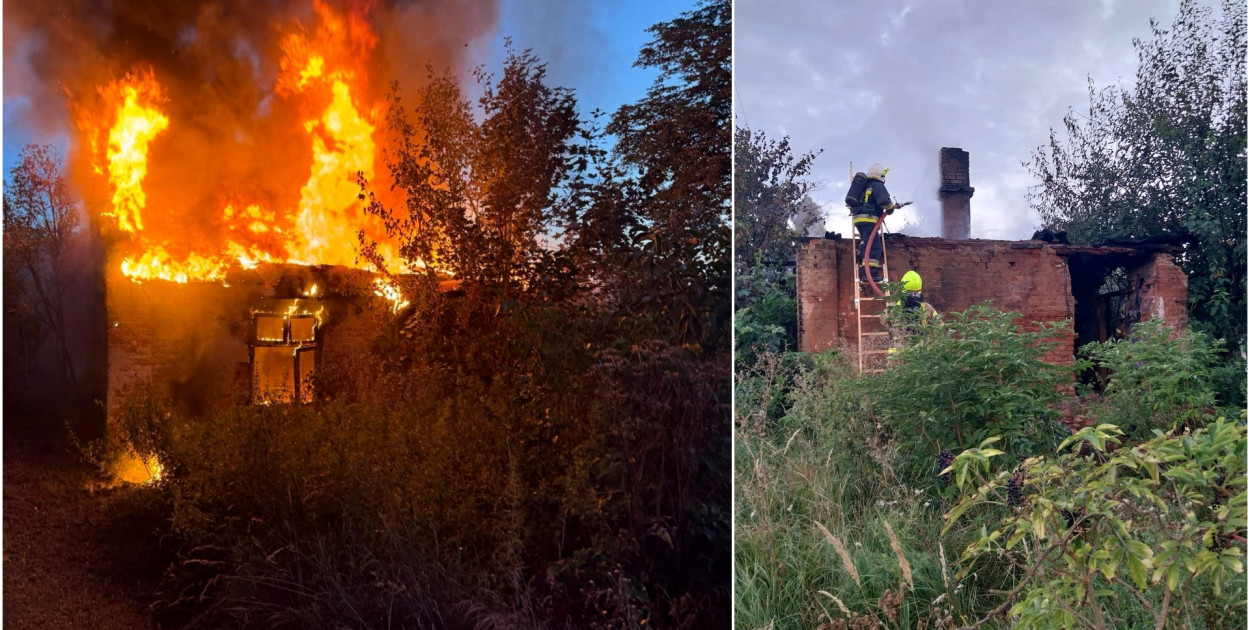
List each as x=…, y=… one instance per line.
x=916, y=313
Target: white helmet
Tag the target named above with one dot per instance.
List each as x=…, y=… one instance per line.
x=877, y=172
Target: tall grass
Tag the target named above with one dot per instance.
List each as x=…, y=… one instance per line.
x=820, y=509
x=502, y=476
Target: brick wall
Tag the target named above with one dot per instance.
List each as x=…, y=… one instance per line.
x=1160, y=289
x=1027, y=277
x=1024, y=277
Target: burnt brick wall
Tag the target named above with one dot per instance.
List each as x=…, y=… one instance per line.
x=1029, y=278
x=1159, y=289
x=191, y=341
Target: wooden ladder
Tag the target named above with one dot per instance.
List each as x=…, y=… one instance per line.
x=881, y=336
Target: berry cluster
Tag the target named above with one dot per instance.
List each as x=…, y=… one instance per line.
x=944, y=459
x=1015, y=488
x=1219, y=491
x=1070, y=518
x=1087, y=449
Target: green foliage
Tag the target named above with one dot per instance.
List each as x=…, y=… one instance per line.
x=1154, y=522
x=676, y=138
x=825, y=458
x=1156, y=381
x=678, y=134
x=1166, y=157
x=767, y=315
x=974, y=375
x=821, y=462
x=769, y=194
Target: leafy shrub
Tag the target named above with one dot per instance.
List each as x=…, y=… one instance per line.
x=972, y=375
x=764, y=391
x=1155, y=524
x=1157, y=378
x=767, y=316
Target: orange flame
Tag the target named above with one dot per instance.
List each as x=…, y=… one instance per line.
x=323, y=71
x=130, y=467
x=138, y=122
x=384, y=289
x=157, y=264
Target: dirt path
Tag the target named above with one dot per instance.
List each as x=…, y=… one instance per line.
x=73, y=558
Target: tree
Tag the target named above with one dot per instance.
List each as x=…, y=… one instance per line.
x=1166, y=156
x=40, y=224
x=769, y=196
x=480, y=196
x=677, y=140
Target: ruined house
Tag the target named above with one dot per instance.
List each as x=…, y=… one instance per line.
x=1101, y=290
x=259, y=335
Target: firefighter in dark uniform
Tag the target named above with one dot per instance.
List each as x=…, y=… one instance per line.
x=876, y=201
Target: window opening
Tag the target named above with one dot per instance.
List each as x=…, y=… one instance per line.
x=285, y=352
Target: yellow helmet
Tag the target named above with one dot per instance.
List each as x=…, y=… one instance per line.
x=911, y=281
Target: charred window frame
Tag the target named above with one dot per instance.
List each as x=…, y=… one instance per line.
x=285, y=356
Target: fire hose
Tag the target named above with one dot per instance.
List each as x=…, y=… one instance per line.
x=868, y=248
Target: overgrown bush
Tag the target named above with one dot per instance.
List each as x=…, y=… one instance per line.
x=766, y=319
x=823, y=471
x=1154, y=524
x=501, y=468
x=820, y=474
x=976, y=374
x=1158, y=378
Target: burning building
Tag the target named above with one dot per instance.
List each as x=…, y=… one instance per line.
x=222, y=152
x=1100, y=289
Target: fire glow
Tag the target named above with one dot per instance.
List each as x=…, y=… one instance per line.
x=384, y=289
x=322, y=73
x=130, y=467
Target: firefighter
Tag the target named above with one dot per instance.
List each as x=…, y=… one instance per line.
x=913, y=300
x=876, y=200
x=916, y=313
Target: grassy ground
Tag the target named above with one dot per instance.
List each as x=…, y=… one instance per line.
x=76, y=555
x=789, y=570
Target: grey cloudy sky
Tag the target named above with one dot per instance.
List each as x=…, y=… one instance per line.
x=893, y=81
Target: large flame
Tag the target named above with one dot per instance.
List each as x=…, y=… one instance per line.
x=342, y=143
x=323, y=73
x=138, y=122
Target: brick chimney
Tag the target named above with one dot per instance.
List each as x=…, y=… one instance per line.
x=956, y=194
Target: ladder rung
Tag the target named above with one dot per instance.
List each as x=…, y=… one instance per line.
x=874, y=371
x=874, y=334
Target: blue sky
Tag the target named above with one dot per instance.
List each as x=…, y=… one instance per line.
x=589, y=46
